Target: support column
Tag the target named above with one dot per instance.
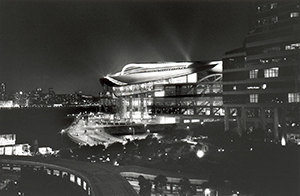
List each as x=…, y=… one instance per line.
x=263, y=118
x=244, y=119
x=226, y=118
x=142, y=105
x=238, y=126
x=283, y=122
x=275, y=123
x=130, y=108
x=122, y=107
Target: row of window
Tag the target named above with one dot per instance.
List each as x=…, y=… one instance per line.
x=271, y=60
x=263, y=61
x=274, y=19
x=292, y=98
x=271, y=73
x=276, y=50
x=266, y=7
x=268, y=20
x=272, y=49
x=294, y=14
x=149, y=86
x=131, y=70
x=268, y=73
x=293, y=46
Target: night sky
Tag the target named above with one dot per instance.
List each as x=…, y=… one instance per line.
x=69, y=45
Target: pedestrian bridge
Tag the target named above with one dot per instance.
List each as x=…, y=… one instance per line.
x=94, y=179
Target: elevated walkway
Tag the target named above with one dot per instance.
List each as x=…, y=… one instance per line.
x=95, y=179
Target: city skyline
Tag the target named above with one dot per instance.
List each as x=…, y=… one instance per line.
x=69, y=45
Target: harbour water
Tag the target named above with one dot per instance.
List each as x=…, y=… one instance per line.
x=41, y=124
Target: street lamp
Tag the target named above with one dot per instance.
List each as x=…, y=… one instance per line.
x=207, y=192
x=200, y=153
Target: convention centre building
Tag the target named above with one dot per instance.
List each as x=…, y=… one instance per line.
x=167, y=92
x=254, y=89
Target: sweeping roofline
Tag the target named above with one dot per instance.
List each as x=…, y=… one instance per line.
x=135, y=73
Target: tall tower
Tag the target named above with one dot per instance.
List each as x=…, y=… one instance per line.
x=261, y=79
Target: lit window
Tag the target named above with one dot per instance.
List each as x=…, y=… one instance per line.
x=264, y=61
x=276, y=60
x=293, y=97
x=253, y=73
x=252, y=87
x=189, y=112
x=271, y=73
x=84, y=185
x=258, y=22
x=273, y=5
x=253, y=98
x=178, y=80
x=264, y=21
x=294, y=14
x=79, y=181
x=192, y=78
x=72, y=178
x=258, y=9
x=159, y=94
x=274, y=19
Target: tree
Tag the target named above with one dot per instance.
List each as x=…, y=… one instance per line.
x=35, y=147
x=185, y=187
x=160, y=182
x=145, y=186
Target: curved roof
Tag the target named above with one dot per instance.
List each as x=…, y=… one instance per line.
x=135, y=73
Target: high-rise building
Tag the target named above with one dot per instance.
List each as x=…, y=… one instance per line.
x=262, y=78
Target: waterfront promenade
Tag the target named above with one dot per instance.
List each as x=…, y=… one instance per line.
x=90, y=133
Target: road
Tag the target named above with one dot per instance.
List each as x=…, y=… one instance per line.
x=91, y=133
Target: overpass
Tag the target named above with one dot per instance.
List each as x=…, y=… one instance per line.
x=94, y=179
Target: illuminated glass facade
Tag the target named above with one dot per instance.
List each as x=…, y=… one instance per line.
x=187, y=91
x=261, y=79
